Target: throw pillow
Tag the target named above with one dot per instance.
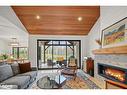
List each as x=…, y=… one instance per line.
x=15, y=68
x=25, y=67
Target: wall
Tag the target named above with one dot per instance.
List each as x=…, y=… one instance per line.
x=8, y=13
x=92, y=36
x=33, y=45
x=110, y=15
x=11, y=27
x=3, y=47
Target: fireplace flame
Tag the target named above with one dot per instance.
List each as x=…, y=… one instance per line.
x=116, y=74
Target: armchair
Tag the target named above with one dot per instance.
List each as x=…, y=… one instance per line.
x=71, y=70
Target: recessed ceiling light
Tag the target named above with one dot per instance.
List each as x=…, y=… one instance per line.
x=37, y=17
x=79, y=18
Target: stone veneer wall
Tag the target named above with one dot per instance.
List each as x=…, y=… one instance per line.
x=115, y=60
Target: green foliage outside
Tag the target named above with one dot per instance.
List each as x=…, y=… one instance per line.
x=3, y=56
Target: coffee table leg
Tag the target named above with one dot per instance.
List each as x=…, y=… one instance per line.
x=59, y=82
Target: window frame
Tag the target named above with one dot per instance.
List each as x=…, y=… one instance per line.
x=38, y=51
x=18, y=50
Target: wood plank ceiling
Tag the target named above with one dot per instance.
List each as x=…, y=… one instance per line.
x=58, y=20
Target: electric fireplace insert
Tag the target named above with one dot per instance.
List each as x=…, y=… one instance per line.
x=113, y=73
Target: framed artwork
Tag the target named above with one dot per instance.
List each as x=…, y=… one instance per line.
x=115, y=35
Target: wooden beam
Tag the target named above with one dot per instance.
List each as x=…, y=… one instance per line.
x=112, y=50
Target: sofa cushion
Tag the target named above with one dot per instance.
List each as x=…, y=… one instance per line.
x=5, y=72
x=25, y=67
x=20, y=81
x=15, y=68
x=32, y=74
x=2, y=63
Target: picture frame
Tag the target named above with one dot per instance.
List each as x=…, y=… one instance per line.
x=115, y=35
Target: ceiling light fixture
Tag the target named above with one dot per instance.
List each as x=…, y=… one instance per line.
x=14, y=42
x=37, y=17
x=79, y=18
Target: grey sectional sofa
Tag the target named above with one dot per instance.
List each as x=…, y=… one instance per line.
x=10, y=75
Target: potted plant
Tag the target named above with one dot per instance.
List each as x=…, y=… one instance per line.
x=4, y=56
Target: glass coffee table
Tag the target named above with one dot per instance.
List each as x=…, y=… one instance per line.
x=60, y=80
x=48, y=82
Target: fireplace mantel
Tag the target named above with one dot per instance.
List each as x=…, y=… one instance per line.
x=112, y=50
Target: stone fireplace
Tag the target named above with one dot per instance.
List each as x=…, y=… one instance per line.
x=113, y=73
x=110, y=67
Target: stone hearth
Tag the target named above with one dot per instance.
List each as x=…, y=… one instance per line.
x=113, y=60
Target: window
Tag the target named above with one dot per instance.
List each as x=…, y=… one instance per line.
x=15, y=53
x=20, y=52
x=57, y=50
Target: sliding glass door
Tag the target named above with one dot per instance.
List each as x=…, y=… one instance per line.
x=51, y=52
x=59, y=51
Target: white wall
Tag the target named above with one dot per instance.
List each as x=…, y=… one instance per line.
x=92, y=36
x=33, y=45
x=11, y=27
x=108, y=16
x=112, y=14
x=4, y=48
x=8, y=13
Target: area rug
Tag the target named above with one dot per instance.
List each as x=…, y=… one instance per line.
x=78, y=83
x=81, y=81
